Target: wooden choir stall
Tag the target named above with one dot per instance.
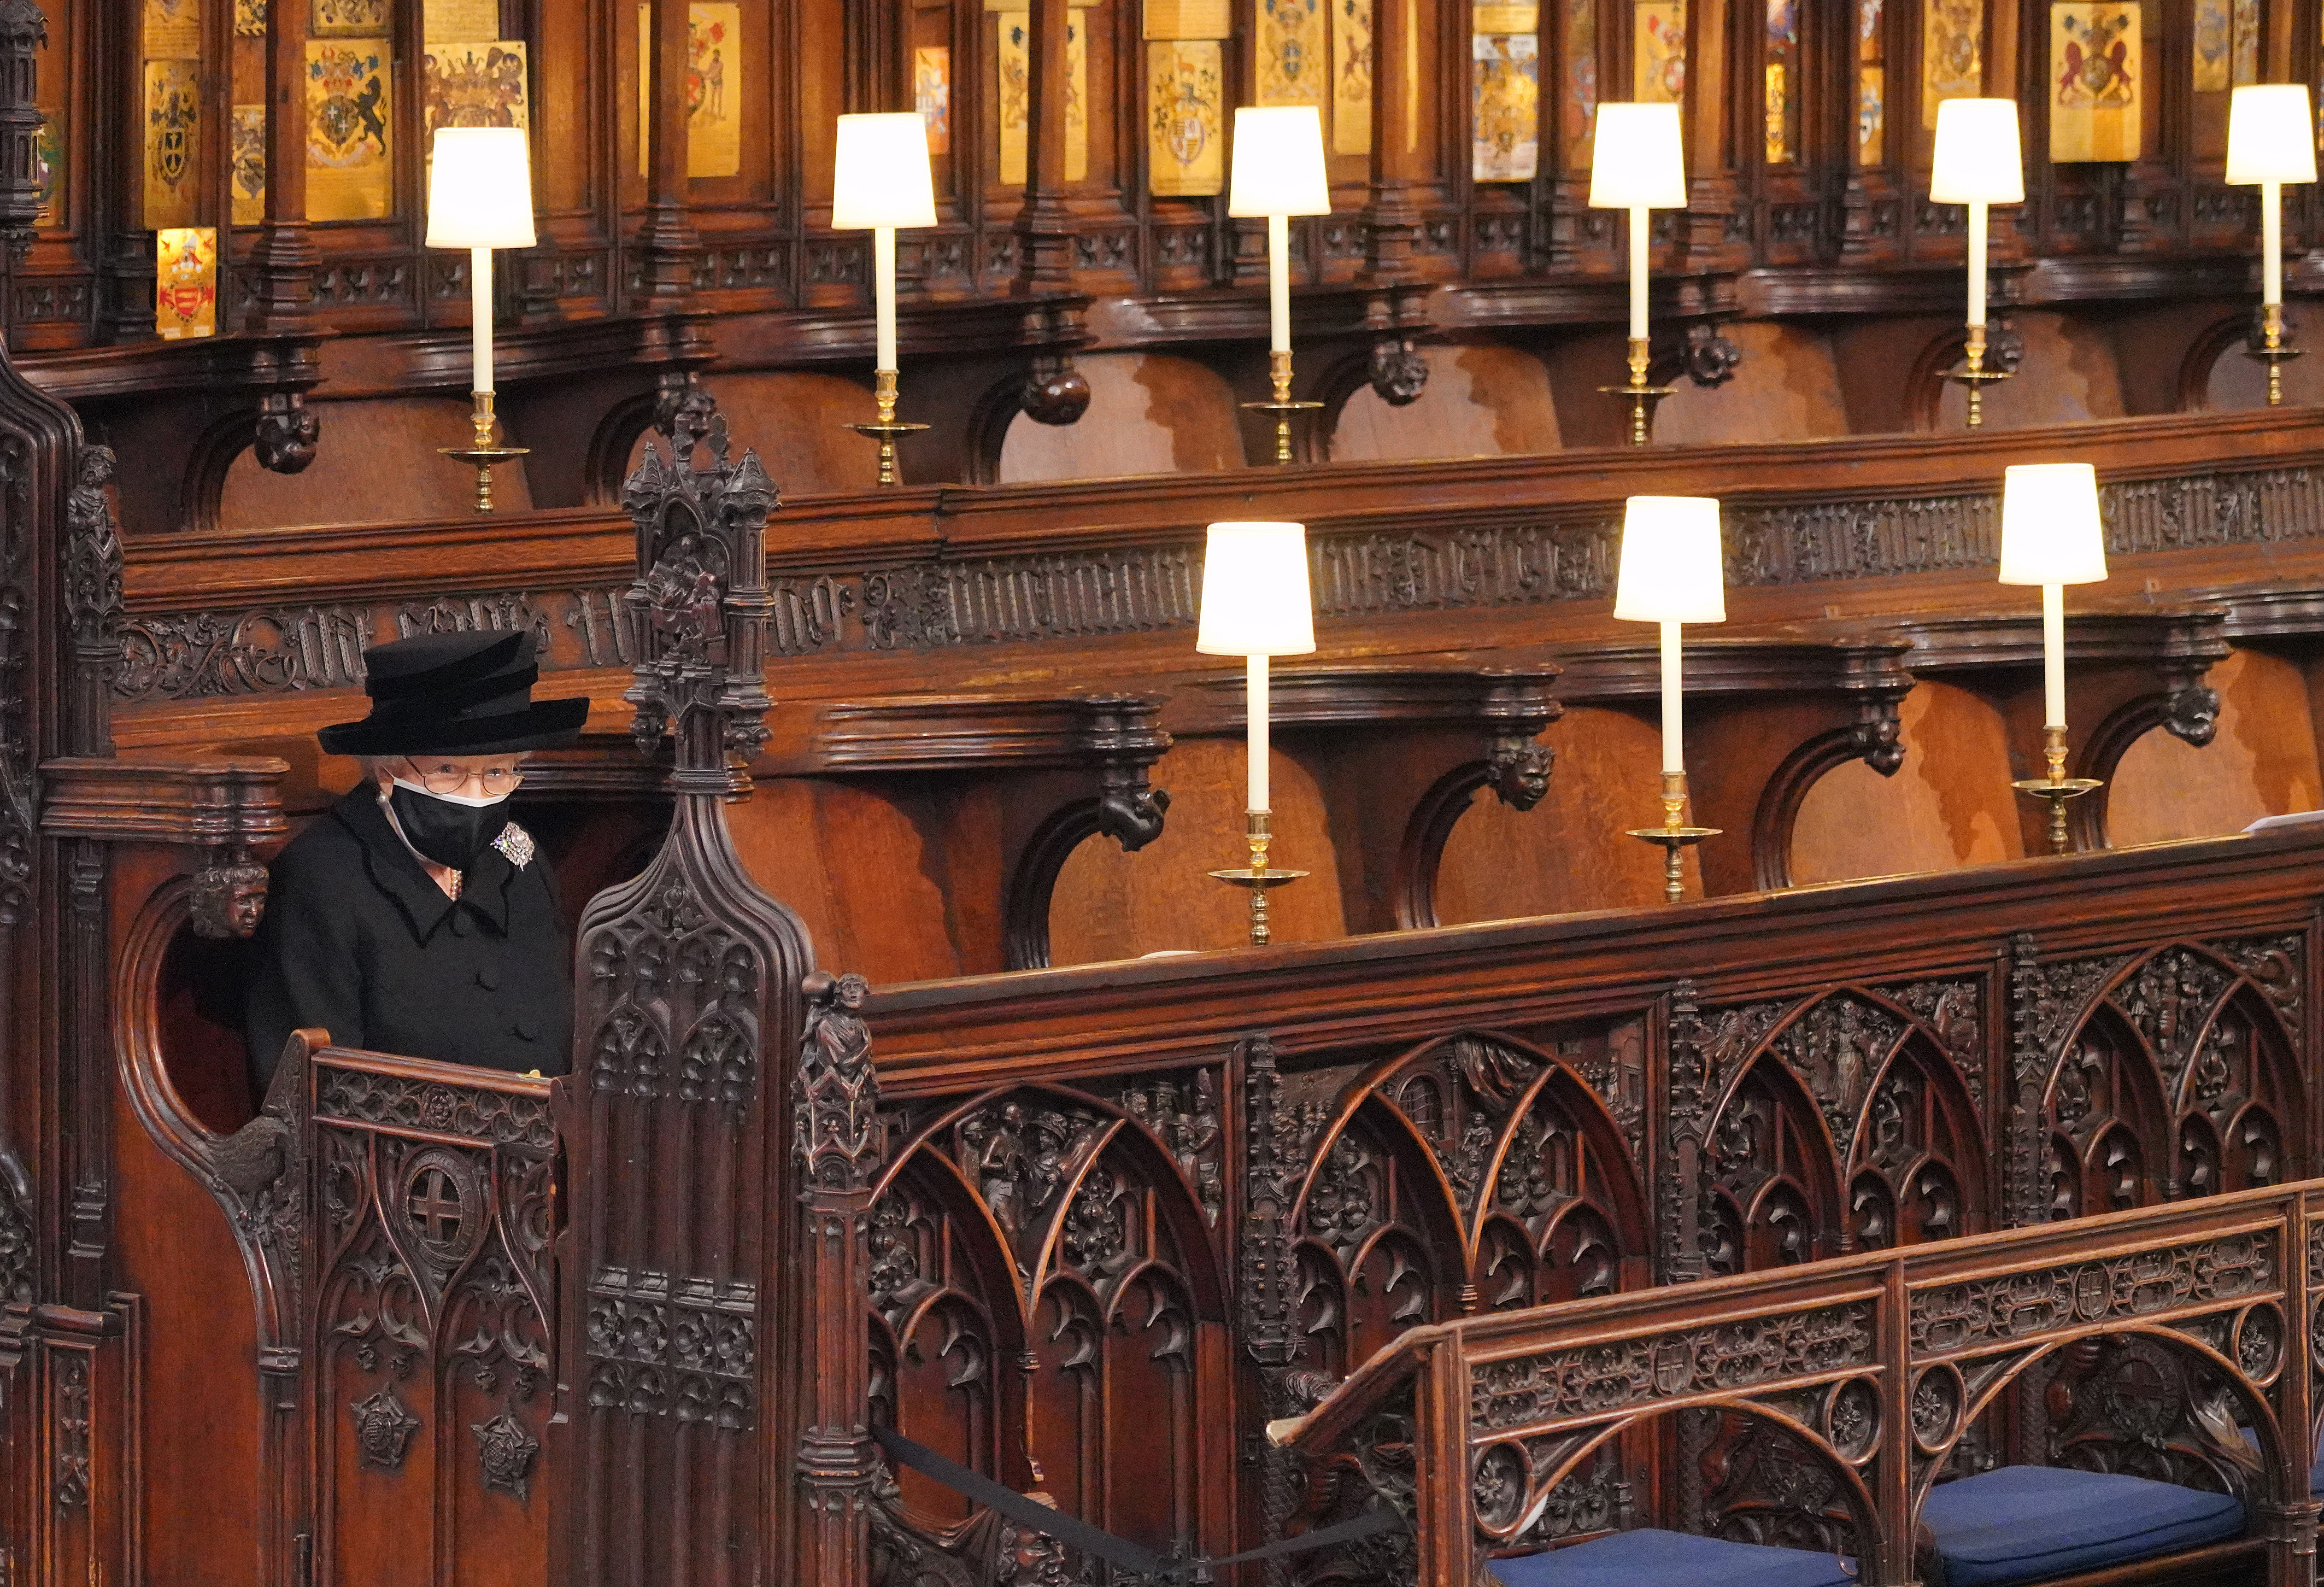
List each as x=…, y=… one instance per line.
x=1889, y=1169
x=1496, y=1195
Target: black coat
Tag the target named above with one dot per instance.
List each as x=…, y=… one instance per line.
x=358, y=940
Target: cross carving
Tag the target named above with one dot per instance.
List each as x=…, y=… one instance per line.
x=433, y=1207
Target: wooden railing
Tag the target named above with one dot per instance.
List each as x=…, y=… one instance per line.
x=2171, y=1342
x=1292, y=1156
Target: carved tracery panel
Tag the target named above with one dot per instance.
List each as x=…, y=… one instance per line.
x=2163, y=1075
x=1848, y=1120
x=432, y=1381
x=1475, y=1171
x=1046, y=1273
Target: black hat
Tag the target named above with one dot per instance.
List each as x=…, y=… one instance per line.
x=454, y=694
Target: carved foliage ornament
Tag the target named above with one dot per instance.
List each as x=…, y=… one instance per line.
x=1540, y=1390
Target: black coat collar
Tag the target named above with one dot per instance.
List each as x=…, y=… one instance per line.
x=396, y=871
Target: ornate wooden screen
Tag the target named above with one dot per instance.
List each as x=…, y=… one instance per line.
x=431, y=1379
x=1050, y=1305
x=2166, y=1342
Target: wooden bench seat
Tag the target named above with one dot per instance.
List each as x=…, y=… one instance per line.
x=2006, y=1527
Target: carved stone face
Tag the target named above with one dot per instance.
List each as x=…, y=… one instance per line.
x=229, y=900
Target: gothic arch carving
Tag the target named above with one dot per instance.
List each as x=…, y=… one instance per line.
x=1051, y=1258
x=2174, y=1074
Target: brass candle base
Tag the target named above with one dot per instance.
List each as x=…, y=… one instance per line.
x=885, y=428
x=1257, y=876
x=481, y=454
x=1642, y=398
x=1675, y=835
x=2057, y=787
x=2272, y=351
x=1278, y=370
x=1975, y=375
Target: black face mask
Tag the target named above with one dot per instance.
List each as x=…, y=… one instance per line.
x=449, y=833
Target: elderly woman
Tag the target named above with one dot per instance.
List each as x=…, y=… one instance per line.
x=414, y=917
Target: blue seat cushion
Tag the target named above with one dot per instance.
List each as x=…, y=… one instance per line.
x=2031, y=1523
x=1649, y=1559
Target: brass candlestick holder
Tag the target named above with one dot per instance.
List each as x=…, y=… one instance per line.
x=2057, y=787
x=1641, y=397
x=1257, y=876
x=481, y=452
x=885, y=428
x=1975, y=375
x=1675, y=835
x=2272, y=351
x=1278, y=371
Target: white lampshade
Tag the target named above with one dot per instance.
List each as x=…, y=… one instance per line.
x=1279, y=163
x=1976, y=159
x=1671, y=570
x=2270, y=136
x=1255, y=600
x=2049, y=528
x=480, y=189
x=1636, y=159
x=880, y=174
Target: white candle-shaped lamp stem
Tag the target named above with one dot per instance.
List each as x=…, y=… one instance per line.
x=2054, y=655
x=1641, y=241
x=2271, y=233
x=1977, y=267
x=883, y=295
x=1279, y=283
x=480, y=319
x=1257, y=747
x=1674, y=704
x=1671, y=571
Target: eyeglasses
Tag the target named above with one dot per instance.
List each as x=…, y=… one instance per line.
x=446, y=778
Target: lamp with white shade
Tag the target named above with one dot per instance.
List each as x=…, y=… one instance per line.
x=1977, y=162
x=1638, y=163
x=480, y=198
x=2270, y=140
x=1256, y=605
x=881, y=182
x=1672, y=572
x=2051, y=536
x=1278, y=171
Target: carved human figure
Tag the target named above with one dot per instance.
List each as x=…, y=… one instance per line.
x=229, y=900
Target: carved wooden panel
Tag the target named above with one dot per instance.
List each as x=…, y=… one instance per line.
x=432, y=1377
x=1848, y=1119
x=1049, y=1304
x=2159, y=1074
